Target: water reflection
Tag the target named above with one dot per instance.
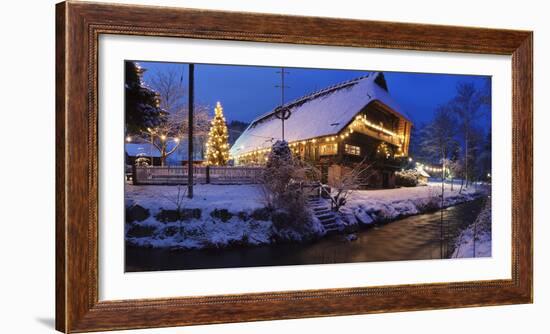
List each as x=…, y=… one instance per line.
x=411, y=238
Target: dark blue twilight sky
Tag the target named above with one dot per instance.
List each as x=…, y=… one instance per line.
x=246, y=92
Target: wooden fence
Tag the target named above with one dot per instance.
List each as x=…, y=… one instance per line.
x=143, y=175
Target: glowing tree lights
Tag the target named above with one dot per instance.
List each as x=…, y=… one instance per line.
x=217, y=148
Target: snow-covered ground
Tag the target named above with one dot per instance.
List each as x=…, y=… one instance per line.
x=234, y=198
x=226, y=215
x=240, y=201
x=370, y=206
x=481, y=228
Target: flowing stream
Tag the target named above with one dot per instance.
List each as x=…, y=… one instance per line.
x=411, y=238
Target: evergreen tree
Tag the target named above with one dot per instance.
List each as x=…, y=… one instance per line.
x=217, y=148
x=141, y=103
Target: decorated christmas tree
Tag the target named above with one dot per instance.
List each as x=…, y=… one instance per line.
x=217, y=148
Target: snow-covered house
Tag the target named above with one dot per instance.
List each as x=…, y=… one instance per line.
x=423, y=176
x=335, y=128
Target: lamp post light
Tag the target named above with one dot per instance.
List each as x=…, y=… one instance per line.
x=152, y=132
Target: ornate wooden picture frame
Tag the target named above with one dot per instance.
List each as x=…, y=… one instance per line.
x=78, y=27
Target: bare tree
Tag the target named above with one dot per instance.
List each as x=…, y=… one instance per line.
x=439, y=140
x=456, y=170
x=167, y=137
x=440, y=143
x=170, y=87
x=170, y=133
x=467, y=106
x=179, y=200
x=350, y=181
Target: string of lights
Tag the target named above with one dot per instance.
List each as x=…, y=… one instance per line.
x=358, y=121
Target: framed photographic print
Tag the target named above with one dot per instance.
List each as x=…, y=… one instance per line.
x=220, y=167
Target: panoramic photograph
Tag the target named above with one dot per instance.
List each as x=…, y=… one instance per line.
x=230, y=166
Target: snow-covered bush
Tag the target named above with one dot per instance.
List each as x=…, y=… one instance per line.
x=142, y=160
x=283, y=194
x=407, y=178
x=431, y=202
x=278, y=173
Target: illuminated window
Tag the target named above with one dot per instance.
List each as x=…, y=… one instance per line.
x=353, y=150
x=328, y=149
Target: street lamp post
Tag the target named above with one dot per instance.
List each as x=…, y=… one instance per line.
x=190, y=127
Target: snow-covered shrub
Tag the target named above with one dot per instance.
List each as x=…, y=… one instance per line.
x=282, y=184
x=431, y=202
x=281, y=219
x=291, y=213
x=261, y=214
x=142, y=160
x=407, y=178
x=278, y=174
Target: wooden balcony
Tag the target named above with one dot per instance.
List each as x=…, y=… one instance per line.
x=395, y=140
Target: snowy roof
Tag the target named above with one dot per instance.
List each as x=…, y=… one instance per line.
x=322, y=113
x=423, y=172
x=146, y=149
x=136, y=149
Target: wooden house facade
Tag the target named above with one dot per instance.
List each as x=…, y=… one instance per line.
x=335, y=129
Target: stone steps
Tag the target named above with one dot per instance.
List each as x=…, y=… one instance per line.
x=332, y=227
x=321, y=211
x=325, y=215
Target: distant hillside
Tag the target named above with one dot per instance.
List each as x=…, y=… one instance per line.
x=235, y=129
